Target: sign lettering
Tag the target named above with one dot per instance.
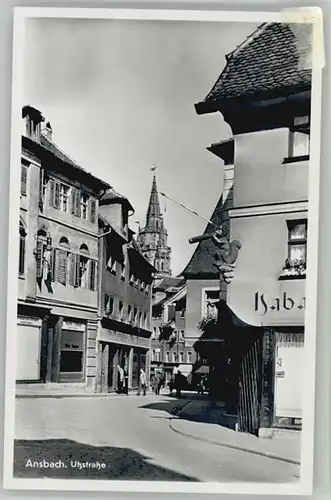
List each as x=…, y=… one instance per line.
x=263, y=305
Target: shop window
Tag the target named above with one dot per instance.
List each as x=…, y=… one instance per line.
x=21, y=264
x=295, y=264
x=72, y=352
x=24, y=178
x=299, y=141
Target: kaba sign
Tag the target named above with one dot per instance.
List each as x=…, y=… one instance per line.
x=283, y=303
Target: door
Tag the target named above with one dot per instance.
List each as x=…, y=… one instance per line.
x=28, y=352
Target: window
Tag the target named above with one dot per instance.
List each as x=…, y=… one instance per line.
x=93, y=208
x=181, y=336
x=111, y=265
x=145, y=321
x=141, y=320
x=21, y=264
x=72, y=350
x=109, y=304
x=153, y=355
x=181, y=357
x=129, y=313
x=157, y=355
x=83, y=205
x=131, y=279
x=24, y=178
x=174, y=357
x=211, y=299
x=135, y=315
x=189, y=357
x=82, y=271
x=92, y=275
x=120, y=309
x=44, y=255
x=64, y=198
x=167, y=357
x=182, y=313
x=297, y=240
x=299, y=137
x=123, y=272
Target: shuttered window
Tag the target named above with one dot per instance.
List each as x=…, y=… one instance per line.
x=72, y=270
x=62, y=266
x=73, y=200
x=24, y=176
x=56, y=202
x=92, y=210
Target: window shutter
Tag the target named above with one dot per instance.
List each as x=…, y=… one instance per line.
x=92, y=275
x=77, y=263
x=51, y=193
x=92, y=210
x=62, y=267
x=41, y=188
x=73, y=200
x=56, y=195
x=72, y=270
x=21, y=254
x=24, y=175
x=53, y=264
x=39, y=259
x=77, y=206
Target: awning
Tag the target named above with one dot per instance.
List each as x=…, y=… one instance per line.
x=227, y=327
x=204, y=369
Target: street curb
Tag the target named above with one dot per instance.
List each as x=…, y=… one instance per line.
x=233, y=446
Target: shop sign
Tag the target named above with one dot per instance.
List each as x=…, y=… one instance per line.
x=72, y=325
x=280, y=374
x=25, y=320
x=263, y=304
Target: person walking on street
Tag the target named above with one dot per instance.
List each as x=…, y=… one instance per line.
x=120, y=379
x=142, y=382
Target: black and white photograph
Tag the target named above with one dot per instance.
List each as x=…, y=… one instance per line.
x=161, y=320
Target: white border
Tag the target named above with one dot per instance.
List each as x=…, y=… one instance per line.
x=305, y=484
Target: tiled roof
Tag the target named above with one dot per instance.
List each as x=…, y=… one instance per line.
x=169, y=282
x=274, y=58
x=52, y=148
x=201, y=264
x=112, y=196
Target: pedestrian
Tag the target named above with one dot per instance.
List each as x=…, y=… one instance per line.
x=126, y=380
x=178, y=383
x=171, y=386
x=142, y=382
x=120, y=379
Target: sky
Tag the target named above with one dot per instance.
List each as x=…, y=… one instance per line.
x=120, y=97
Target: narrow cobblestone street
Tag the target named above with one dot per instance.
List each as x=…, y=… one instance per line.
x=132, y=437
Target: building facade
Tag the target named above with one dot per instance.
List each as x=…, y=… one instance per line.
x=58, y=262
x=125, y=297
x=153, y=238
x=264, y=95
x=169, y=348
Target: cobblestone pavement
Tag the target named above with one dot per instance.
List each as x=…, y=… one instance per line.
x=126, y=437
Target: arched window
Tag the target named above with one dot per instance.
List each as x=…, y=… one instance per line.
x=21, y=263
x=64, y=242
x=84, y=249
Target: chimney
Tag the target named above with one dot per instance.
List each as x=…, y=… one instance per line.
x=47, y=131
x=33, y=119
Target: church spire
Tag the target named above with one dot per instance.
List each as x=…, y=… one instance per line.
x=152, y=239
x=154, y=211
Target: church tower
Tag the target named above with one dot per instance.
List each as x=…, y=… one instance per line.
x=152, y=239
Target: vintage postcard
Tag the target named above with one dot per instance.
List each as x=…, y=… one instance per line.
x=162, y=269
